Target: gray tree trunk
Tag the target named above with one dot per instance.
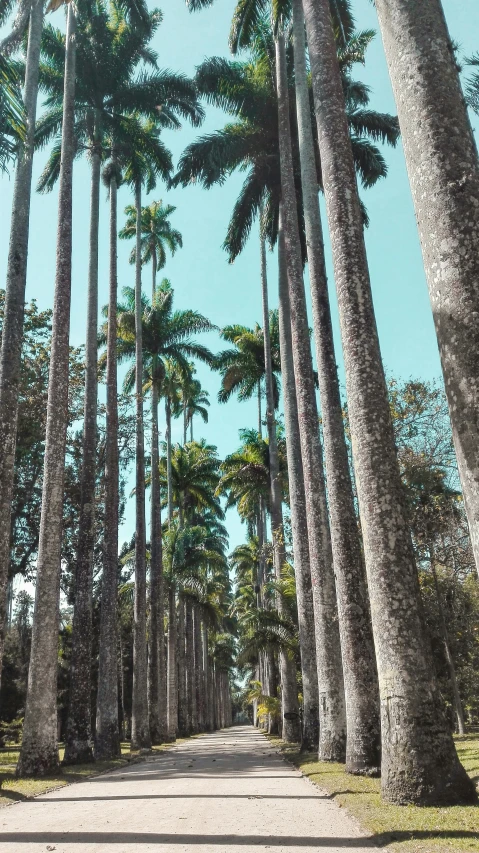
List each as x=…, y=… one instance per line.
x=78, y=737
x=359, y=665
x=297, y=499
x=168, y=460
x=447, y=647
x=332, y=715
x=199, y=672
x=184, y=723
x=207, y=670
x=443, y=168
x=172, y=666
x=107, y=741
x=39, y=751
x=140, y=731
x=302, y=569
x=190, y=668
x=156, y=657
x=12, y=331
x=419, y=760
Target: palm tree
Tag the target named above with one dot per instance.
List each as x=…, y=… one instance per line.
x=157, y=235
x=419, y=762
x=167, y=344
x=107, y=740
x=359, y=666
x=99, y=101
x=447, y=217
x=194, y=401
x=12, y=332
x=39, y=752
x=243, y=369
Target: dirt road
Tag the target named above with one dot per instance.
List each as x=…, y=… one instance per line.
x=228, y=792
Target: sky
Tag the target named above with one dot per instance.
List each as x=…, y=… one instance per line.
x=201, y=277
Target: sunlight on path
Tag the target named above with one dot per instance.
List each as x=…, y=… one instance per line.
x=218, y=793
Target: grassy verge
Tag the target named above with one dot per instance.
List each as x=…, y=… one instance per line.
x=13, y=789
x=408, y=829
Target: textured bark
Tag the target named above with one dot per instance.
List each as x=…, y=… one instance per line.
x=78, y=737
x=332, y=719
x=207, y=670
x=168, y=460
x=302, y=570
x=447, y=647
x=107, y=740
x=443, y=168
x=419, y=760
x=183, y=718
x=191, y=669
x=39, y=751
x=172, y=667
x=12, y=331
x=156, y=657
x=359, y=665
x=297, y=500
x=140, y=731
x=199, y=672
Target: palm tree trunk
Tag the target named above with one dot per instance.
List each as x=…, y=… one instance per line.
x=359, y=666
x=12, y=330
x=184, y=723
x=304, y=594
x=441, y=158
x=156, y=666
x=419, y=761
x=260, y=416
x=190, y=669
x=199, y=673
x=172, y=666
x=168, y=460
x=140, y=732
x=298, y=510
x=332, y=723
x=78, y=737
x=39, y=752
x=107, y=742
x=207, y=672
x=447, y=647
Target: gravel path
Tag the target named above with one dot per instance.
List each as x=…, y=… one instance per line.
x=221, y=793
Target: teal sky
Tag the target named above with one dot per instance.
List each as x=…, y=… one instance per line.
x=199, y=273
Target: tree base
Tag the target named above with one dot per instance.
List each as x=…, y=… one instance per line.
x=107, y=745
x=78, y=752
x=37, y=763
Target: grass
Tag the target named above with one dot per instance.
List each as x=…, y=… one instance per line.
x=14, y=790
x=406, y=829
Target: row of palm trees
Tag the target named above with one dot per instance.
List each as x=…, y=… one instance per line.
x=374, y=673
x=367, y=673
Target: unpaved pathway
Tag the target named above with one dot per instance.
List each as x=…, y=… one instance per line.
x=228, y=792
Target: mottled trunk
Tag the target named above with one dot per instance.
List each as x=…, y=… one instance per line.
x=107, y=741
x=332, y=714
x=359, y=665
x=419, y=760
x=78, y=736
x=207, y=671
x=168, y=460
x=190, y=669
x=156, y=668
x=39, y=751
x=199, y=671
x=12, y=330
x=172, y=667
x=447, y=647
x=301, y=566
x=140, y=731
x=443, y=168
x=184, y=723
x=297, y=499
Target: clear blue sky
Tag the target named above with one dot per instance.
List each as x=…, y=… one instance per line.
x=200, y=274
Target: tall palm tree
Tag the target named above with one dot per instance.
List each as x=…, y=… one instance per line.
x=39, y=752
x=359, y=666
x=157, y=235
x=243, y=369
x=194, y=401
x=167, y=342
x=419, y=762
x=418, y=48
x=15, y=299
